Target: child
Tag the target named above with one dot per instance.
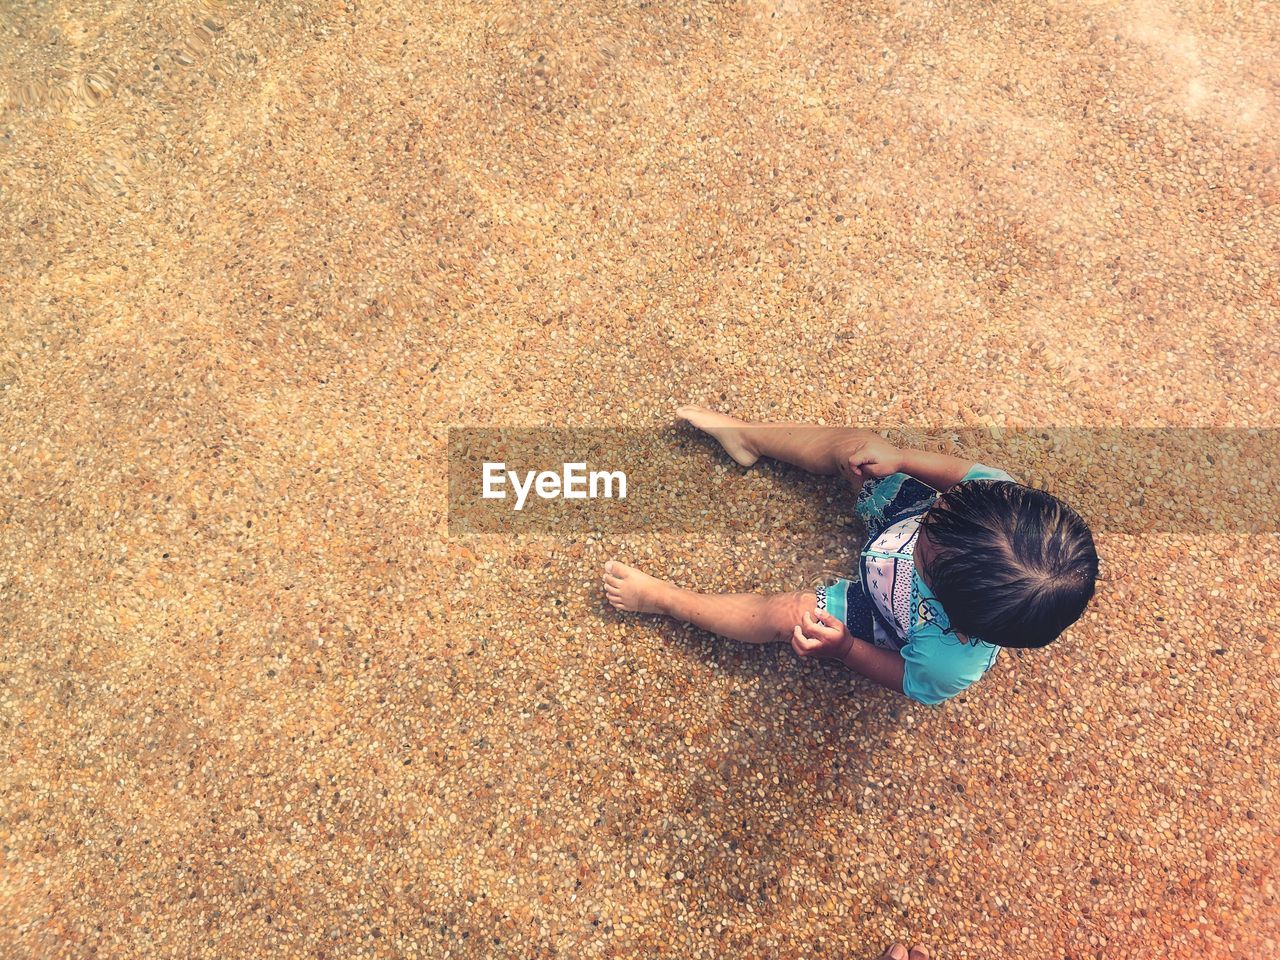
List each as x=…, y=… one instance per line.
x=960, y=560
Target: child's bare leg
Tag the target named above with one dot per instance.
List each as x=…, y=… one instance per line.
x=821, y=450
x=749, y=617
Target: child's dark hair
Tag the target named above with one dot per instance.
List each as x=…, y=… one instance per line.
x=1010, y=564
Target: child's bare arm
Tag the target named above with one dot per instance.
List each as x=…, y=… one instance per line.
x=875, y=663
x=875, y=457
x=939, y=470
x=819, y=634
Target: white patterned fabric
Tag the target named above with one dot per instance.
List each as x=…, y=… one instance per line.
x=889, y=579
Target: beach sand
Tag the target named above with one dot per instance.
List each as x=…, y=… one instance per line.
x=258, y=258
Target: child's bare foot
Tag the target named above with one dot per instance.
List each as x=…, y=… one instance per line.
x=629, y=589
x=724, y=428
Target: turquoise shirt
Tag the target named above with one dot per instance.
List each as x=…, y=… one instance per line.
x=938, y=665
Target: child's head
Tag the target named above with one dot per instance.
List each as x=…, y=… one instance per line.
x=1010, y=564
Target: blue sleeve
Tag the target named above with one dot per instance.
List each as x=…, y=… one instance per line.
x=937, y=667
x=980, y=471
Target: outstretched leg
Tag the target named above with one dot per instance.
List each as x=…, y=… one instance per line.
x=749, y=617
x=817, y=449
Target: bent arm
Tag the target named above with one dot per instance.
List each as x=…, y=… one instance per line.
x=939, y=470
x=875, y=663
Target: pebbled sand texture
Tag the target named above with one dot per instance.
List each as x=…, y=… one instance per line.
x=257, y=259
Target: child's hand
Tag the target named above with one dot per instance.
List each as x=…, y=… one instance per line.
x=874, y=458
x=821, y=635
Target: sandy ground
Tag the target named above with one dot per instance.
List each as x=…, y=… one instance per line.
x=259, y=257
